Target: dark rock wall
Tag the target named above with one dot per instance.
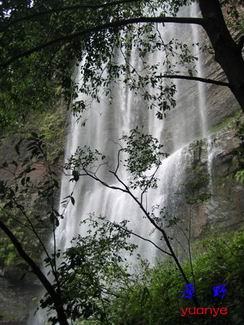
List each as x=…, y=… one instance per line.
x=214, y=198
x=19, y=288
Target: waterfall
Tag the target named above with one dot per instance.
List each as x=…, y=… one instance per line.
x=105, y=122
x=202, y=89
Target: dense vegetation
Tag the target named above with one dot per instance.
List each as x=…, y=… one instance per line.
x=157, y=299
x=156, y=296
x=41, y=41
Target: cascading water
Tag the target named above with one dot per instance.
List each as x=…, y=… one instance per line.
x=106, y=122
x=202, y=88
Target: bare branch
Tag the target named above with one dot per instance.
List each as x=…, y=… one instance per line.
x=127, y=190
x=143, y=238
x=21, y=223
x=35, y=233
x=189, y=247
x=161, y=230
x=87, y=173
x=118, y=161
x=99, y=166
x=205, y=80
x=149, y=183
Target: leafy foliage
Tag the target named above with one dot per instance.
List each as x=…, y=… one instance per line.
x=142, y=155
x=196, y=186
x=37, y=79
x=93, y=269
x=234, y=14
x=157, y=297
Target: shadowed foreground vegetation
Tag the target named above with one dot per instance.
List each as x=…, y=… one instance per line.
x=156, y=296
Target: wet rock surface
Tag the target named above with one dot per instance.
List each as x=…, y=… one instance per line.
x=223, y=206
x=15, y=300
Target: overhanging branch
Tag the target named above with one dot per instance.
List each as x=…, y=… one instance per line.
x=205, y=80
x=63, y=9
x=112, y=25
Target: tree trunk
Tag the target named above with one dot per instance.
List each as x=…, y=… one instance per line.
x=45, y=282
x=227, y=53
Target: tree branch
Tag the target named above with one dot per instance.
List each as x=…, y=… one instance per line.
x=143, y=238
x=148, y=216
x=205, y=80
x=102, y=182
x=241, y=43
x=161, y=230
x=149, y=183
x=25, y=257
x=35, y=232
x=36, y=270
x=112, y=25
x=62, y=9
x=118, y=160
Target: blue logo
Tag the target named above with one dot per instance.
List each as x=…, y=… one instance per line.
x=189, y=291
x=218, y=291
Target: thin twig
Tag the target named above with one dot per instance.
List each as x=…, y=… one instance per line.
x=143, y=238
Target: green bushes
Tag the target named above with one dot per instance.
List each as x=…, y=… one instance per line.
x=156, y=297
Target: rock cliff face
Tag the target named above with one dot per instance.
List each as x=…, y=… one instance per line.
x=18, y=286
x=210, y=197
x=221, y=204
x=15, y=299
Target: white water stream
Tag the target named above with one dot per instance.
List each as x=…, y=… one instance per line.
x=107, y=122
